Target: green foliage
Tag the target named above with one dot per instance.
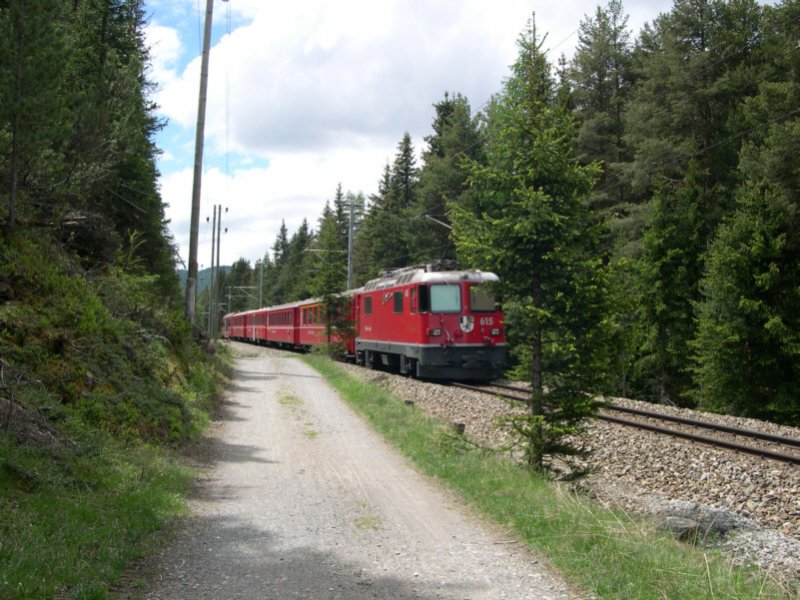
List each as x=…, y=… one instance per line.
x=601, y=81
x=443, y=178
x=384, y=238
x=74, y=514
x=34, y=121
x=748, y=341
x=669, y=271
x=97, y=359
x=99, y=374
x=535, y=232
x=109, y=349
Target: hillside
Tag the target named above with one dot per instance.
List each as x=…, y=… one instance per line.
x=203, y=277
x=99, y=382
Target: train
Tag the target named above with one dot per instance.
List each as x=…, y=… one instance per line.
x=424, y=321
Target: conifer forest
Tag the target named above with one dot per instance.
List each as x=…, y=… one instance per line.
x=640, y=201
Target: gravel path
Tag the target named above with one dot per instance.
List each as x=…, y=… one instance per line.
x=304, y=501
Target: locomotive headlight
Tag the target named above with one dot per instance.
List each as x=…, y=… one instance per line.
x=434, y=332
x=495, y=331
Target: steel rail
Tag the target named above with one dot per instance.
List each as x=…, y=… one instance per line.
x=705, y=440
x=778, y=439
x=483, y=390
x=793, y=459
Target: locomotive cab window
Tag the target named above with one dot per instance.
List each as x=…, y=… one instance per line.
x=445, y=298
x=397, y=299
x=480, y=300
x=367, y=305
x=422, y=299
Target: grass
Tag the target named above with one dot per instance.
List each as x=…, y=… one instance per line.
x=604, y=552
x=71, y=520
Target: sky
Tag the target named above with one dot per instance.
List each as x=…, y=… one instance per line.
x=306, y=95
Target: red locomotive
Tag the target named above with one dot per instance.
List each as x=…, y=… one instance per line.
x=421, y=321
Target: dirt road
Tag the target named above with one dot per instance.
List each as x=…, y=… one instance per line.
x=304, y=501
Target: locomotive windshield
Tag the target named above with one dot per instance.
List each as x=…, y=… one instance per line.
x=480, y=300
x=445, y=298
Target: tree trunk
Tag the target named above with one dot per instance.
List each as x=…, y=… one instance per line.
x=15, y=133
x=537, y=388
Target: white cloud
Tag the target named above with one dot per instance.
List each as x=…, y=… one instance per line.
x=304, y=95
x=259, y=198
x=165, y=50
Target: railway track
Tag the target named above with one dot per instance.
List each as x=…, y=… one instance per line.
x=782, y=449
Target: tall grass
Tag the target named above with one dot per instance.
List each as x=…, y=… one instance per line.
x=606, y=553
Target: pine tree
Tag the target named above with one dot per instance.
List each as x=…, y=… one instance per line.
x=601, y=80
x=669, y=272
x=747, y=348
x=296, y=274
x=535, y=232
x=236, y=286
x=330, y=279
x=383, y=242
x=33, y=103
x=456, y=138
x=683, y=124
x=748, y=342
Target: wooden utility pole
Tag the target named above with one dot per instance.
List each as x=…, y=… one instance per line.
x=219, y=276
x=350, y=246
x=211, y=287
x=191, y=279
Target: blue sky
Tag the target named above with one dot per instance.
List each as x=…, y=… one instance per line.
x=306, y=95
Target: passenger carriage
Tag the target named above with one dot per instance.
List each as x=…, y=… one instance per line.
x=281, y=325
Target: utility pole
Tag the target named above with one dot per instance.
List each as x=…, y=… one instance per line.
x=261, y=285
x=211, y=288
x=191, y=279
x=219, y=277
x=350, y=247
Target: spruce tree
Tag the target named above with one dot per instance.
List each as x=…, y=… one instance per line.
x=331, y=276
x=443, y=176
x=601, y=80
x=535, y=231
x=747, y=349
x=668, y=275
x=384, y=237
x=34, y=117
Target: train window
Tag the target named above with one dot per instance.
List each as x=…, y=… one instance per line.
x=398, y=302
x=423, y=298
x=367, y=305
x=481, y=300
x=412, y=304
x=445, y=298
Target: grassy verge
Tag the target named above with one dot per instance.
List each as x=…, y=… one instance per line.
x=71, y=518
x=607, y=553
